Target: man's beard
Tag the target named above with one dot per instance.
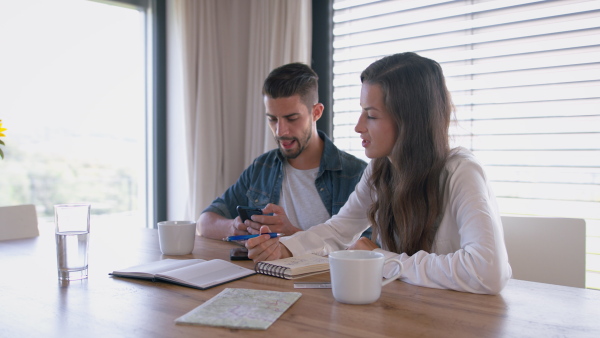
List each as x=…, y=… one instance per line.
x=301, y=145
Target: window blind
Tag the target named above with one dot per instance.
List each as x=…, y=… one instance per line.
x=525, y=80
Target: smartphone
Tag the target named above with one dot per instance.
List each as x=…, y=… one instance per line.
x=247, y=212
x=238, y=254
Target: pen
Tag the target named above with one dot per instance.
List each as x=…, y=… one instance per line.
x=245, y=237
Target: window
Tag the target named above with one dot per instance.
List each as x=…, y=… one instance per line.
x=74, y=105
x=525, y=79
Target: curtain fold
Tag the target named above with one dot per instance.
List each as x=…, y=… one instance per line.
x=282, y=33
x=228, y=48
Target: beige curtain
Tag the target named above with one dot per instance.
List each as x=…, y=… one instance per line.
x=227, y=49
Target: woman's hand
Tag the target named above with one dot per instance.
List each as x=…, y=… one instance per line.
x=363, y=243
x=265, y=248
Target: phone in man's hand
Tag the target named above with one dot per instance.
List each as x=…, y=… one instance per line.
x=247, y=212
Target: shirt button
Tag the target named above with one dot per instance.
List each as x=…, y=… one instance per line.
x=322, y=189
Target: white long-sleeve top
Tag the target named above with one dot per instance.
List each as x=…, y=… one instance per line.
x=468, y=252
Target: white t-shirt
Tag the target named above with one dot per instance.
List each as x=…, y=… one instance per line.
x=468, y=252
x=304, y=207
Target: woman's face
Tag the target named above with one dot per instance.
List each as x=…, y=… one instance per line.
x=375, y=125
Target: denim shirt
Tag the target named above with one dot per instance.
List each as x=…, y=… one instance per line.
x=261, y=182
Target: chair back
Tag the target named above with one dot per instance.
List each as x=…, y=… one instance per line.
x=19, y=221
x=546, y=250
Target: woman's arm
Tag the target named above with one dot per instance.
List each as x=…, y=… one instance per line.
x=479, y=263
x=340, y=231
x=337, y=233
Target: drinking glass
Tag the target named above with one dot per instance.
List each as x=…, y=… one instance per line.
x=72, y=240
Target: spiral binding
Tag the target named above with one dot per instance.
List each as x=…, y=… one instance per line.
x=270, y=269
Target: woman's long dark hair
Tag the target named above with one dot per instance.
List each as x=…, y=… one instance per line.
x=407, y=182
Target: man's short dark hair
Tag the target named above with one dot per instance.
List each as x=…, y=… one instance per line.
x=293, y=79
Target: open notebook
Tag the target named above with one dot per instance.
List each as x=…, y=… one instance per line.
x=294, y=267
x=194, y=273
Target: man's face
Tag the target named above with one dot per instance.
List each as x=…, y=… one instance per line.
x=291, y=123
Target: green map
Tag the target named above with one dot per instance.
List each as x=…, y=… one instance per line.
x=241, y=309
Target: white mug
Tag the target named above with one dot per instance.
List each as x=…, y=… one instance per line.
x=357, y=275
x=176, y=237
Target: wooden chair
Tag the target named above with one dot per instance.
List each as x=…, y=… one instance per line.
x=546, y=250
x=19, y=221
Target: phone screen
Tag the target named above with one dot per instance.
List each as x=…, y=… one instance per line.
x=247, y=212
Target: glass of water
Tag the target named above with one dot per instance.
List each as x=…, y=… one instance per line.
x=72, y=239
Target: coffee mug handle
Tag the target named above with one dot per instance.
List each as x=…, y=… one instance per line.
x=393, y=278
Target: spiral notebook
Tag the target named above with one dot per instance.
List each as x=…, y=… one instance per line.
x=294, y=267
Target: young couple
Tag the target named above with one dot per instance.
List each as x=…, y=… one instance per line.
x=428, y=205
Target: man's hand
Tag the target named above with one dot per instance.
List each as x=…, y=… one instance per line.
x=277, y=223
x=265, y=248
x=363, y=243
x=215, y=226
x=238, y=228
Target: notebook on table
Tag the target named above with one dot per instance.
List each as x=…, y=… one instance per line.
x=294, y=267
x=195, y=273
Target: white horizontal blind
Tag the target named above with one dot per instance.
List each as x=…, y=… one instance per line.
x=525, y=80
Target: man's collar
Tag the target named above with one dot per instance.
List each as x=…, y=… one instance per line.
x=330, y=159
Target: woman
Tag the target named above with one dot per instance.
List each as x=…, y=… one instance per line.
x=430, y=206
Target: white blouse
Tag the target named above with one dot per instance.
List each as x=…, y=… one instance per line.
x=468, y=252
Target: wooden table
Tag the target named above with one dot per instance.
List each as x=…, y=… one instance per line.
x=33, y=303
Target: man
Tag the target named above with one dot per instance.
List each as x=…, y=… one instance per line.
x=303, y=182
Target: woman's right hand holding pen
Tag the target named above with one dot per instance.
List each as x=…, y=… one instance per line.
x=265, y=248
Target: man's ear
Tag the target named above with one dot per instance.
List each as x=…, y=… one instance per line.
x=317, y=111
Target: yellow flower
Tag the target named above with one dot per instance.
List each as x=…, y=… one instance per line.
x=1, y=142
x=1, y=129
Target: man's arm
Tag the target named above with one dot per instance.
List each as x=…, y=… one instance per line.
x=215, y=221
x=215, y=226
